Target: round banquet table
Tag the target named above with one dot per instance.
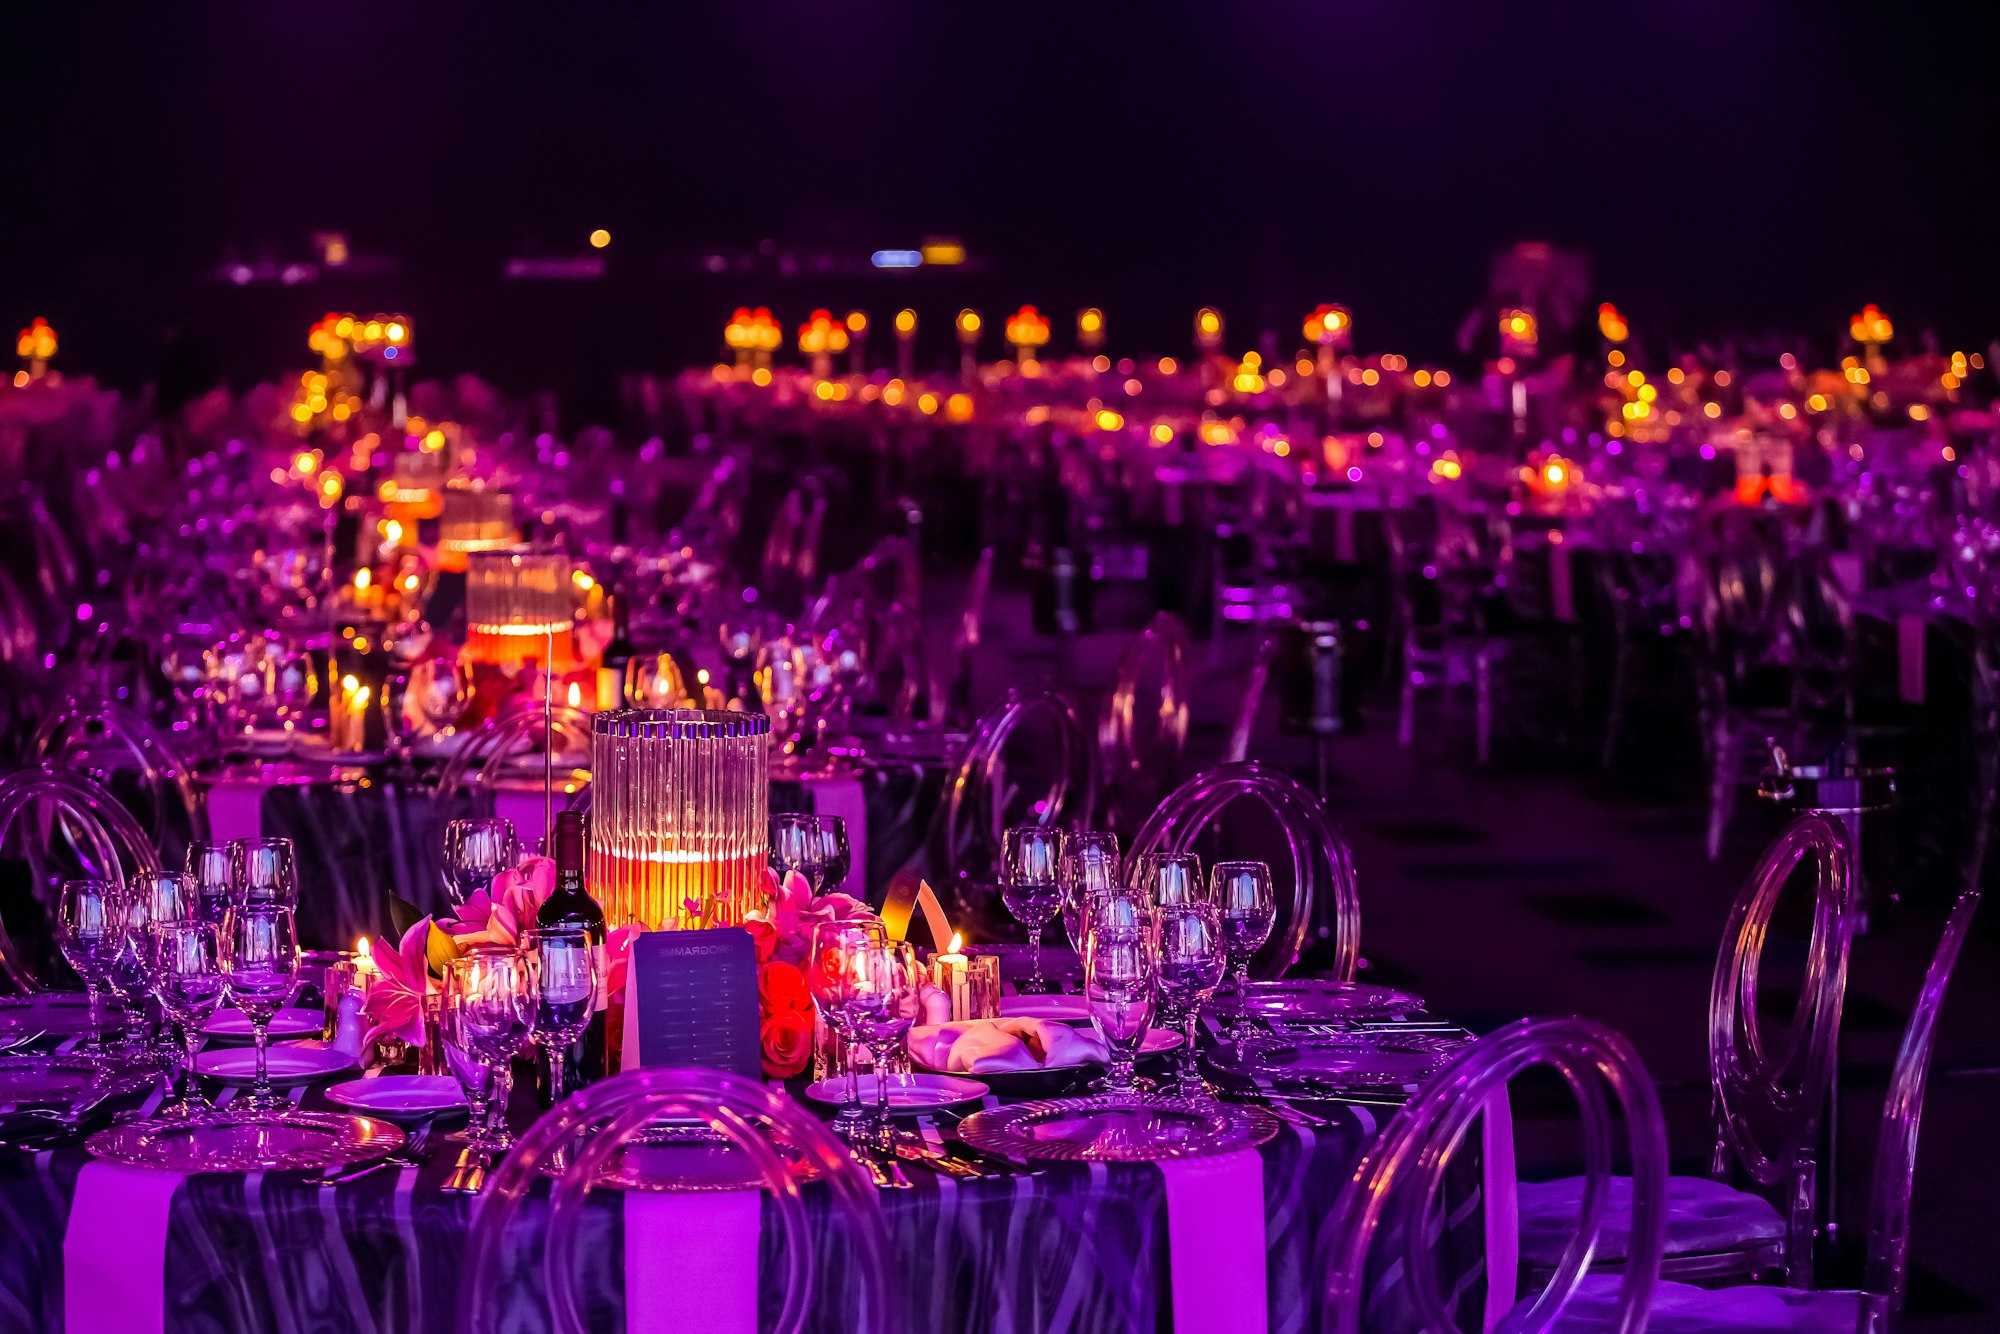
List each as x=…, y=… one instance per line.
x=1063, y=1247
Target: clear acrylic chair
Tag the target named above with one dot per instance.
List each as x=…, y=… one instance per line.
x=513, y=736
x=778, y=1142
x=1237, y=748
x=994, y=785
x=1680, y=1308
x=965, y=641
x=108, y=742
x=1323, y=899
x=1400, y=1181
x=68, y=825
x=1769, y=1102
x=1141, y=746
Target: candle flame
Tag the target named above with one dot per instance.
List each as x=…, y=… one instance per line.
x=575, y=695
x=362, y=949
x=956, y=941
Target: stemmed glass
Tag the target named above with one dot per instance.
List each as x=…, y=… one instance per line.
x=1031, y=887
x=474, y=852
x=1090, y=870
x=1120, y=968
x=212, y=866
x=1192, y=958
x=796, y=847
x=127, y=978
x=88, y=934
x=441, y=690
x=188, y=978
x=834, y=968
x=489, y=1012
x=566, y=987
x=265, y=873
x=1242, y=894
x=836, y=858
x=884, y=1006
x=260, y=960
x=1169, y=878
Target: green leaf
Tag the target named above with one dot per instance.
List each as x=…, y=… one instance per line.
x=403, y=915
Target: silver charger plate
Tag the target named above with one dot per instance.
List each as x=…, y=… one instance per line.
x=301, y=1141
x=1307, y=998
x=1365, y=1060
x=1117, y=1128
x=59, y=1081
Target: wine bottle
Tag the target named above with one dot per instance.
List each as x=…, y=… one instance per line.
x=619, y=650
x=570, y=904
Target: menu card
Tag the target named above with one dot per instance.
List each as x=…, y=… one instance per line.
x=691, y=1000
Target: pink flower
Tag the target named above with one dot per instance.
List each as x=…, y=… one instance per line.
x=497, y=914
x=618, y=960
x=395, y=1004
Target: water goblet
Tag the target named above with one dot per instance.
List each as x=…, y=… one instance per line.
x=127, y=978
x=260, y=959
x=187, y=974
x=833, y=965
x=489, y=1012
x=566, y=989
x=1031, y=887
x=474, y=852
x=264, y=872
x=1120, y=969
x=212, y=866
x=1243, y=895
x=885, y=1005
x=836, y=857
x=796, y=848
x=1090, y=869
x=1191, y=961
x=1168, y=878
x=89, y=936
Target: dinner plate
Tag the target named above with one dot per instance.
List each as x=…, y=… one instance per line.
x=1309, y=998
x=301, y=1140
x=57, y=1013
x=1117, y=1128
x=397, y=1096
x=1358, y=1061
x=1156, y=1041
x=229, y=1025
x=1045, y=1007
x=285, y=1065
x=65, y=1080
x=914, y=1092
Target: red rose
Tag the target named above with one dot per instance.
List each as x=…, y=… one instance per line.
x=780, y=987
x=765, y=937
x=786, y=1037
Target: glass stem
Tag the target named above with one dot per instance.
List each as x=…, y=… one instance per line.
x=875, y=1063
x=261, y=1032
x=556, y=1054
x=90, y=990
x=1035, y=957
x=851, y=1105
x=476, y=1099
x=190, y=1078
x=1190, y=1070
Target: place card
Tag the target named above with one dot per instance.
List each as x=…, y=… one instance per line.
x=691, y=1000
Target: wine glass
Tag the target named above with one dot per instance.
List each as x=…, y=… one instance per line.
x=833, y=964
x=836, y=857
x=1243, y=895
x=566, y=986
x=187, y=974
x=474, y=852
x=1191, y=961
x=654, y=681
x=212, y=867
x=1090, y=869
x=169, y=896
x=89, y=936
x=260, y=961
x=1120, y=968
x=489, y=1012
x=1169, y=878
x=796, y=847
x=440, y=691
x=294, y=681
x=1031, y=887
x=265, y=872
x=128, y=979
x=885, y=1004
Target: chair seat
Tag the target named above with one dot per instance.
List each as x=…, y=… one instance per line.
x=1679, y=1308
x=1703, y=1217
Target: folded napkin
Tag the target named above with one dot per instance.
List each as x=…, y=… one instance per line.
x=981, y=1046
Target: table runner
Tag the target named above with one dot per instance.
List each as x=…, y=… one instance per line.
x=691, y=1261
x=1215, y=1235
x=115, y=1250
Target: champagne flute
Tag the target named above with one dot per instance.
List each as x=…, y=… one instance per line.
x=1120, y=969
x=1243, y=895
x=260, y=964
x=566, y=986
x=87, y=933
x=265, y=872
x=489, y=1012
x=1031, y=887
x=796, y=848
x=832, y=966
x=212, y=865
x=474, y=852
x=1191, y=961
x=187, y=974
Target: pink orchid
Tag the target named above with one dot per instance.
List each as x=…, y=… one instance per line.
x=618, y=959
x=395, y=1004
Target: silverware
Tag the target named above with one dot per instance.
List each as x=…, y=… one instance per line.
x=413, y=1153
x=917, y=1149
x=468, y=1175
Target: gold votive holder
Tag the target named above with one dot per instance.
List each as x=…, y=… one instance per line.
x=971, y=981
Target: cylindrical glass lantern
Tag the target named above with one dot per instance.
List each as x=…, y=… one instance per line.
x=515, y=603
x=475, y=519
x=679, y=814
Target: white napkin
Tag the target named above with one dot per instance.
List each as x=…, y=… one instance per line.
x=976, y=1046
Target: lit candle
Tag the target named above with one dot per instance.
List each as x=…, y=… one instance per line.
x=950, y=973
x=366, y=970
